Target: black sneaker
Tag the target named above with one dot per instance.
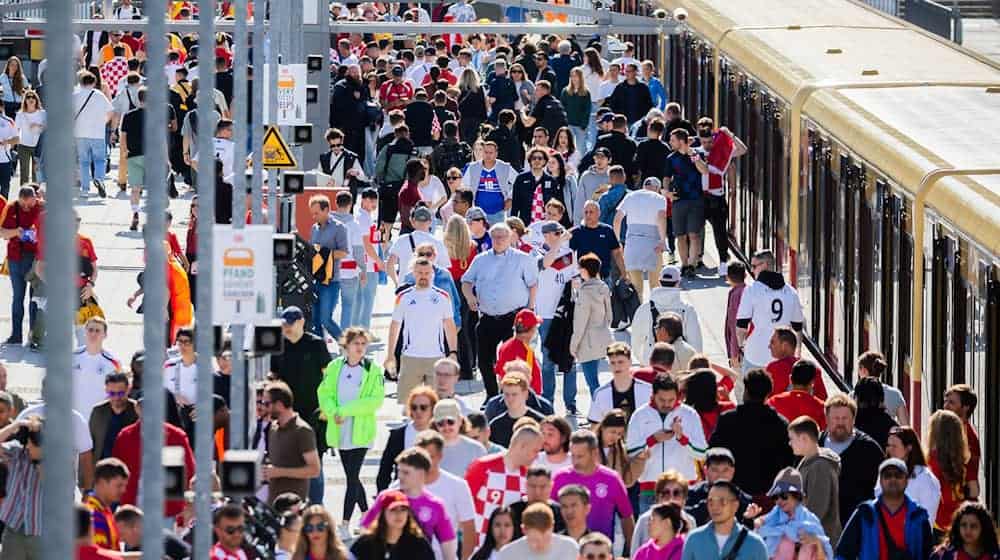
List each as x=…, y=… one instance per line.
x=135, y=222
x=172, y=187
x=688, y=271
x=11, y=341
x=100, y=188
x=122, y=187
x=35, y=346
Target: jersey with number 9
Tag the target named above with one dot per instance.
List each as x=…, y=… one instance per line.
x=767, y=307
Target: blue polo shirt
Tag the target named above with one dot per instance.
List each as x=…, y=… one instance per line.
x=599, y=240
x=686, y=177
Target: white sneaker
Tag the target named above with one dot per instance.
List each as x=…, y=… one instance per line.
x=723, y=269
x=344, y=532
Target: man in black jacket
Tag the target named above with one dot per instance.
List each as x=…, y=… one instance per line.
x=860, y=455
x=756, y=435
x=509, y=147
x=622, y=148
x=548, y=112
x=651, y=154
x=301, y=366
x=719, y=465
x=451, y=152
x=347, y=110
x=527, y=183
x=631, y=97
x=420, y=119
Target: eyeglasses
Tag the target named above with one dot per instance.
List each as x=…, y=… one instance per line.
x=317, y=528
x=263, y=403
x=184, y=342
x=671, y=493
x=426, y=254
x=447, y=422
x=454, y=177
x=115, y=394
x=233, y=529
x=420, y=407
x=335, y=146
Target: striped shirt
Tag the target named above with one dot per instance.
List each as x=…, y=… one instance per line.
x=22, y=508
x=105, y=530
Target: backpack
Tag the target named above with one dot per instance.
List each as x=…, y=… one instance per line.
x=452, y=155
x=655, y=313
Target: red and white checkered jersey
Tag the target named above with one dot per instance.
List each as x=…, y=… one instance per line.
x=492, y=486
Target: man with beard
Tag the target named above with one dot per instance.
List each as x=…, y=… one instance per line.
x=348, y=110
x=859, y=454
x=293, y=460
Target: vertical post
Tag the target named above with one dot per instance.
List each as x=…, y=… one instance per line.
x=275, y=37
x=57, y=445
x=237, y=388
x=203, y=316
x=257, y=124
x=155, y=283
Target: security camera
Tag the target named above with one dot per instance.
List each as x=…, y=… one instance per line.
x=660, y=14
x=680, y=14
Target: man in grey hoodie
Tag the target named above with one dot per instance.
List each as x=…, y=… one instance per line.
x=593, y=183
x=820, y=468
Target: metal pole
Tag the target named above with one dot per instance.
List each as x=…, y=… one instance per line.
x=275, y=38
x=257, y=127
x=155, y=284
x=57, y=445
x=237, y=387
x=203, y=317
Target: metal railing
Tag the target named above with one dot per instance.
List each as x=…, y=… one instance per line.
x=936, y=18
x=890, y=7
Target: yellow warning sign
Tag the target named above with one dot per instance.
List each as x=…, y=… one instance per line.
x=276, y=153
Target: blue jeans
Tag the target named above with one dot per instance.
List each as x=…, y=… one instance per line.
x=317, y=486
x=19, y=269
x=548, y=366
x=326, y=301
x=365, y=302
x=590, y=370
x=91, y=151
x=646, y=501
x=579, y=138
x=591, y=129
x=496, y=217
x=348, y=301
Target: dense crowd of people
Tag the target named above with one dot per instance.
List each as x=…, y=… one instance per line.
x=518, y=194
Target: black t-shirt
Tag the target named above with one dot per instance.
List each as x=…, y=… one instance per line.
x=517, y=508
x=301, y=365
x=420, y=119
x=134, y=125
x=624, y=400
x=502, y=427
x=600, y=240
x=407, y=547
x=549, y=114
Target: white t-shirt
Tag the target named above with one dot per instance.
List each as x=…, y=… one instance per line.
x=181, y=379
x=81, y=431
x=454, y=492
x=7, y=131
x=767, y=308
x=552, y=280
x=561, y=548
x=403, y=249
x=366, y=227
x=354, y=238
x=422, y=313
x=225, y=151
x=348, y=389
x=433, y=191
x=642, y=207
x=462, y=12
x=29, y=134
x=89, y=371
x=720, y=540
x=92, y=119
x=543, y=461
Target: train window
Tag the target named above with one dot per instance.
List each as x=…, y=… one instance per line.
x=959, y=315
x=890, y=273
x=848, y=252
x=905, y=305
x=866, y=265
x=939, y=294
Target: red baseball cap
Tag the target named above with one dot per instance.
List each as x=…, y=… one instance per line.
x=392, y=499
x=525, y=320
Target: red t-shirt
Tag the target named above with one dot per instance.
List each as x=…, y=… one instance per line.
x=781, y=378
x=13, y=216
x=795, y=403
x=952, y=493
x=456, y=268
x=896, y=523
x=975, y=452
x=514, y=349
x=647, y=374
x=391, y=92
x=128, y=448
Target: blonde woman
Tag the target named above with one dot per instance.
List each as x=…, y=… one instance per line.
x=30, y=122
x=461, y=251
x=14, y=84
x=471, y=105
x=575, y=98
x=319, y=540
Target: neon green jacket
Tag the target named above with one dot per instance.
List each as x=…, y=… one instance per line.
x=363, y=408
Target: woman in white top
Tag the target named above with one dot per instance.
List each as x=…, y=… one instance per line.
x=594, y=68
x=524, y=88
x=568, y=147
x=14, y=84
x=30, y=122
x=646, y=236
x=922, y=487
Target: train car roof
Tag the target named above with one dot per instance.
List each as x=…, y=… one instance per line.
x=908, y=132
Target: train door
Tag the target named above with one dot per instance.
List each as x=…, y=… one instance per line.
x=990, y=398
x=942, y=268
x=867, y=249
x=961, y=292
x=676, y=60
x=707, y=87
x=764, y=218
x=904, y=302
x=890, y=206
x=692, y=72
x=845, y=312
x=778, y=164
x=756, y=156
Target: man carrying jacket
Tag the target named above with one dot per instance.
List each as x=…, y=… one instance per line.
x=891, y=526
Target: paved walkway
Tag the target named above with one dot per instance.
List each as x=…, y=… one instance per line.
x=982, y=36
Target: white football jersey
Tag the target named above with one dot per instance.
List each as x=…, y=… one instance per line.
x=767, y=308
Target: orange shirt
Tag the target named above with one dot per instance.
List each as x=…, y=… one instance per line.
x=108, y=52
x=514, y=349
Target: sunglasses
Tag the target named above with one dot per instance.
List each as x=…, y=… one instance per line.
x=455, y=178
x=785, y=496
x=671, y=493
x=426, y=254
x=115, y=394
x=263, y=403
x=336, y=145
x=517, y=72
x=317, y=528
x=447, y=422
x=420, y=407
x=233, y=530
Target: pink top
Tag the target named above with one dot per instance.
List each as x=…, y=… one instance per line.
x=430, y=513
x=670, y=551
x=607, y=495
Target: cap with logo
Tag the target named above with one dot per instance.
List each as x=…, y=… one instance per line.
x=602, y=151
x=789, y=480
x=893, y=463
x=525, y=320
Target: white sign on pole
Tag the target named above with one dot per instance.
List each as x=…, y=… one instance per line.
x=243, y=283
x=292, y=84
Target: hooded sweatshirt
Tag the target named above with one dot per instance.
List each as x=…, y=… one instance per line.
x=767, y=303
x=821, y=481
x=666, y=300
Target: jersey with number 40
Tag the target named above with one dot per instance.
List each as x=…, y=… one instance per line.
x=766, y=308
